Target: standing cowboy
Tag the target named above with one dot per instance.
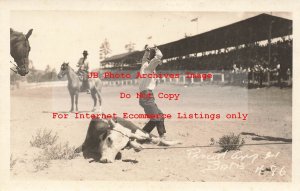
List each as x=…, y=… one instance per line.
x=83, y=70
x=151, y=59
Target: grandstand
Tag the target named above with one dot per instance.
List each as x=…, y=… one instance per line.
x=258, y=43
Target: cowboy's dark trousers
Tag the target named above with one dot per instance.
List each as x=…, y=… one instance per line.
x=150, y=107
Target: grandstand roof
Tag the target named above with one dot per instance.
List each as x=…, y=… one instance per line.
x=250, y=30
x=119, y=56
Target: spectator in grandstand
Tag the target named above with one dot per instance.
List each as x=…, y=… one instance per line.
x=262, y=71
x=289, y=76
x=249, y=72
x=253, y=55
x=151, y=59
x=279, y=74
x=260, y=75
x=256, y=72
x=244, y=76
x=233, y=73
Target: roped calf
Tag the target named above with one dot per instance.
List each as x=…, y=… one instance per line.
x=107, y=138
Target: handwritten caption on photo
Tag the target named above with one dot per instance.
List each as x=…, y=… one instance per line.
x=237, y=160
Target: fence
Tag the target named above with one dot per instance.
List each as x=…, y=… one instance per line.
x=216, y=77
x=26, y=85
x=227, y=77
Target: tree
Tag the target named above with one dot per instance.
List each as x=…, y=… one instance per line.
x=48, y=69
x=130, y=46
x=47, y=75
x=104, y=49
x=32, y=76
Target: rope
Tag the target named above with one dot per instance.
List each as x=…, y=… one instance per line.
x=120, y=133
x=203, y=146
x=15, y=66
x=14, y=71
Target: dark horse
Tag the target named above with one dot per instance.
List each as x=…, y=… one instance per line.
x=19, y=50
x=74, y=86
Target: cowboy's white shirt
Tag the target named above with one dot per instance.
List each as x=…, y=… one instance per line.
x=148, y=67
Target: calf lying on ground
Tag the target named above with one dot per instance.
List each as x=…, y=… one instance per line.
x=105, y=139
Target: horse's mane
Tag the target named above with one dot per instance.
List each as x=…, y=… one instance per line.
x=71, y=68
x=72, y=71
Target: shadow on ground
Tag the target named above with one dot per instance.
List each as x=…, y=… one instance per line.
x=266, y=138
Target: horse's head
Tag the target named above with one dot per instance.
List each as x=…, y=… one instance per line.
x=63, y=70
x=19, y=50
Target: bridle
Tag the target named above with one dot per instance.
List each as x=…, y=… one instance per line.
x=21, y=60
x=63, y=70
x=17, y=67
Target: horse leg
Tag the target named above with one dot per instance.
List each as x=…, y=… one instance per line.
x=100, y=100
x=76, y=101
x=93, y=94
x=72, y=102
x=97, y=87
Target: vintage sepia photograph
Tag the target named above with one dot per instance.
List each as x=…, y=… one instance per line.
x=181, y=96
x=149, y=95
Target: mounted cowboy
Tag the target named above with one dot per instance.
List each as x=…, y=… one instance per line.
x=75, y=86
x=83, y=70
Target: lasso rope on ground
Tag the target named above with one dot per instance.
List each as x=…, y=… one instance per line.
x=203, y=146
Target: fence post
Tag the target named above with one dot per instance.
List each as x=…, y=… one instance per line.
x=222, y=76
x=289, y=79
x=268, y=78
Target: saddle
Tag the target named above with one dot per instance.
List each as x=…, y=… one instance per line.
x=83, y=77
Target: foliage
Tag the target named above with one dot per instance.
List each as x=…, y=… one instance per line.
x=231, y=142
x=130, y=46
x=41, y=162
x=44, y=138
x=104, y=49
x=60, y=151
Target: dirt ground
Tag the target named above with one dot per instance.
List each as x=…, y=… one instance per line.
x=269, y=121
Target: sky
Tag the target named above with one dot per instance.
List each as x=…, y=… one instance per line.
x=61, y=36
